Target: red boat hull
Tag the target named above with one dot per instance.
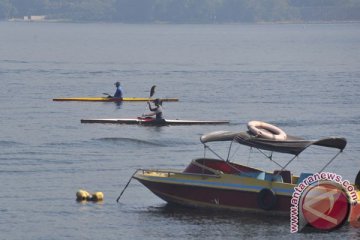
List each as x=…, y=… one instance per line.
x=196, y=196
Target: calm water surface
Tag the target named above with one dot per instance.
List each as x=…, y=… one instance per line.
x=303, y=78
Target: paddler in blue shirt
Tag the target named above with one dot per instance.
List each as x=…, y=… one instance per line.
x=119, y=91
x=157, y=110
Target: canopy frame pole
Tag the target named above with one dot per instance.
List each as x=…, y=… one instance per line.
x=205, y=151
x=332, y=159
x=234, y=152
x=228, y=156
x=288, y=162
x=207, y=147
x=269, y=157
x=228, y=163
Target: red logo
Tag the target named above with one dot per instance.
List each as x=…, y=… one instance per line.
x=325, y=206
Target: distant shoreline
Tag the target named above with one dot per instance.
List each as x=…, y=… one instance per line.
x=180, y=23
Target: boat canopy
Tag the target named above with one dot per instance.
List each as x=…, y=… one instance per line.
x=292, y=144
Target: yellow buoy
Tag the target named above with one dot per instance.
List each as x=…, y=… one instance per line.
x=97, y=196
x=82, y=195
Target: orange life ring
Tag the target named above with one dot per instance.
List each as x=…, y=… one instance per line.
x=266, y=130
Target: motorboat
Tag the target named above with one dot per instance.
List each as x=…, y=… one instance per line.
x=221, y=183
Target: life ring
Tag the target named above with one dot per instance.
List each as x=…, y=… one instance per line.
x=266, y=130
x=266, y=199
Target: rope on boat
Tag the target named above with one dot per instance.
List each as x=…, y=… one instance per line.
x=127, y=184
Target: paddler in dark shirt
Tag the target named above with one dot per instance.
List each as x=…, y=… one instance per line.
x=157, y=110
x=119, y=92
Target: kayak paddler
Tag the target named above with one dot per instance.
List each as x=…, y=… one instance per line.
x=157, y=110
x=119, y=91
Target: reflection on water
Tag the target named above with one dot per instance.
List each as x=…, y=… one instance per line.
x=194, y=223
x=118, y=104
x=130, y=141
x=203, y=215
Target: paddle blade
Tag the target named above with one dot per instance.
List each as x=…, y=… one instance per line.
x=152, y=91
x=109, y=96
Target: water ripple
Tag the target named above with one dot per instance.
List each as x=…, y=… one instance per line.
x=129, y=141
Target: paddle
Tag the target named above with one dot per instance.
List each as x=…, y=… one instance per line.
x=152, y=92
x=108, y=95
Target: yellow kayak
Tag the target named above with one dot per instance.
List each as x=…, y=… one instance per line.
x=111, y=99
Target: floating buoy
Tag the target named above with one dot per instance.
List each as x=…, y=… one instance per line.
x=82, y=195
x=97, y=196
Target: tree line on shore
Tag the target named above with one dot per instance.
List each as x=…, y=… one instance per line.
x=184, y=11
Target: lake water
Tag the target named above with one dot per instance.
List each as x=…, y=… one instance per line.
x=305, y=78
